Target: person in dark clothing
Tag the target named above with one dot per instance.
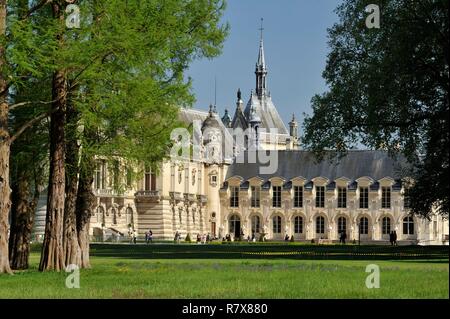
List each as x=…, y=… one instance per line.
x=391, y=238
x=395, y=238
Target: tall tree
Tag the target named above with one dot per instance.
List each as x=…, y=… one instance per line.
x=5, y=202
x=388, y=89
x=29, y=157
x=25, y=51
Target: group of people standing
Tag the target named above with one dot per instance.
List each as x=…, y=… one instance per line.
x=203, y=239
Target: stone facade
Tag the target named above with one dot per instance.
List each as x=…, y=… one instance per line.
x=219, y=193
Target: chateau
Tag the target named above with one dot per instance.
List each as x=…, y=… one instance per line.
x=235, y=187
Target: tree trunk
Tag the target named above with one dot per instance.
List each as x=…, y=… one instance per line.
x=85, y=206
x=5, y=191
x=71, y=247
x=52, y=257
x=22, y=213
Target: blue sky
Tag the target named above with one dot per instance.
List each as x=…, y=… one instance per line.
x=295, y=42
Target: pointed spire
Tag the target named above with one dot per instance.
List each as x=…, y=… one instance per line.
x=261, y=59
x=261, y=69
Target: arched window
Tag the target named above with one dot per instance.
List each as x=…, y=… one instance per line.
x=386, y=225
x=363, y=226
x=276, y=225
x=100, y=215
x=408, y=226
x=320, y=225
x=235, y=226
x=342, y=225
x=298, y=225
x=129, y=215
x=256, y=224
x=114, y=216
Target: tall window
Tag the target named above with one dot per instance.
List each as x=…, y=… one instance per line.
x=386, y=226
x=363, y=226
x=114, y=216
x=385, y=197
x=276, y=199
x=320, y=196
x=256, y=195
x=298, y=196
x=276, y=221
x=342, y=197
x=320, y=225
x=408, y=226
x=149, y=180
x=298, y=225
x=129, y=216
x=364, y=197
x=100, y=215
x=342, y=225
x=256, y=224
x=406, y=198
x=100, y=175
x=234, y=199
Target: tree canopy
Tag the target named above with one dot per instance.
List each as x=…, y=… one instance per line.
x=388, y=89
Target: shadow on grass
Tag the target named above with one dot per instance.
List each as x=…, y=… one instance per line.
x=436, y=254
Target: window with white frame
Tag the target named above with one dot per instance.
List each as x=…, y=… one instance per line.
x=342, y=197
x=320, y=225
x=255, y=196
x=320, y=196
x=298, y=196
x=342, y=225
x=256, y=224
x=386, y=225
x=408, y=226
x=276, y=196
x=234, y=196
x=276, y=221
x=385, y=197
x=298, y=225
x=364, y=226
x=364, y=197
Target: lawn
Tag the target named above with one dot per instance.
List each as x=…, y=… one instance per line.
x=241, y=271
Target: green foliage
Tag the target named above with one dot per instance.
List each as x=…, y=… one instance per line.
x=125, y=69
x=388, y=89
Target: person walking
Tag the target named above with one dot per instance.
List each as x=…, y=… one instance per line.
x=135, y=234
x=150, y=236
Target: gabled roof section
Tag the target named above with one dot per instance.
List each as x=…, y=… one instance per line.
x=239, y=120
x=267, y=112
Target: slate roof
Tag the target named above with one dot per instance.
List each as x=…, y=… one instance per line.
x=355, y=164
x=267, y=112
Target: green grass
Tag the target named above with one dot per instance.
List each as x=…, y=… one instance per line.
x=194, y=271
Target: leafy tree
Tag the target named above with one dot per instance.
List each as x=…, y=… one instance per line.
x=388, y=89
